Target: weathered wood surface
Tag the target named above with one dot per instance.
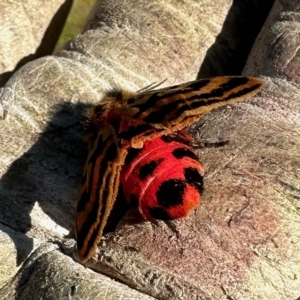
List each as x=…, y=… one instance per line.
x=243, y=241
x=28, y=30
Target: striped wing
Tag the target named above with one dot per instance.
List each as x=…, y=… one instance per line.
x=98, y=190
x=170, y=109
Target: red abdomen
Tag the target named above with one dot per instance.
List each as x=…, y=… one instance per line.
x=164, y=178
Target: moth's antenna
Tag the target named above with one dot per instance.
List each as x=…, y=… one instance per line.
x=151, y=86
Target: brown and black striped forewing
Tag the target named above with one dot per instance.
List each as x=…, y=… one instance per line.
x=98, y=191
x=170, y=109
x=170, y=106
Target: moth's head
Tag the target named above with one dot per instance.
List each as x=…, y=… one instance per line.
x=111, y=108
x=117, y=97
x=115, y=105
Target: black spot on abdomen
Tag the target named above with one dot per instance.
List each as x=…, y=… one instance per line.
x=179, y=153
x=193, y=177
x=132, y=154
x=171, y=192
x=149, y=168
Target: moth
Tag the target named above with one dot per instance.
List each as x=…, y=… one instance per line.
x=138, y=141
